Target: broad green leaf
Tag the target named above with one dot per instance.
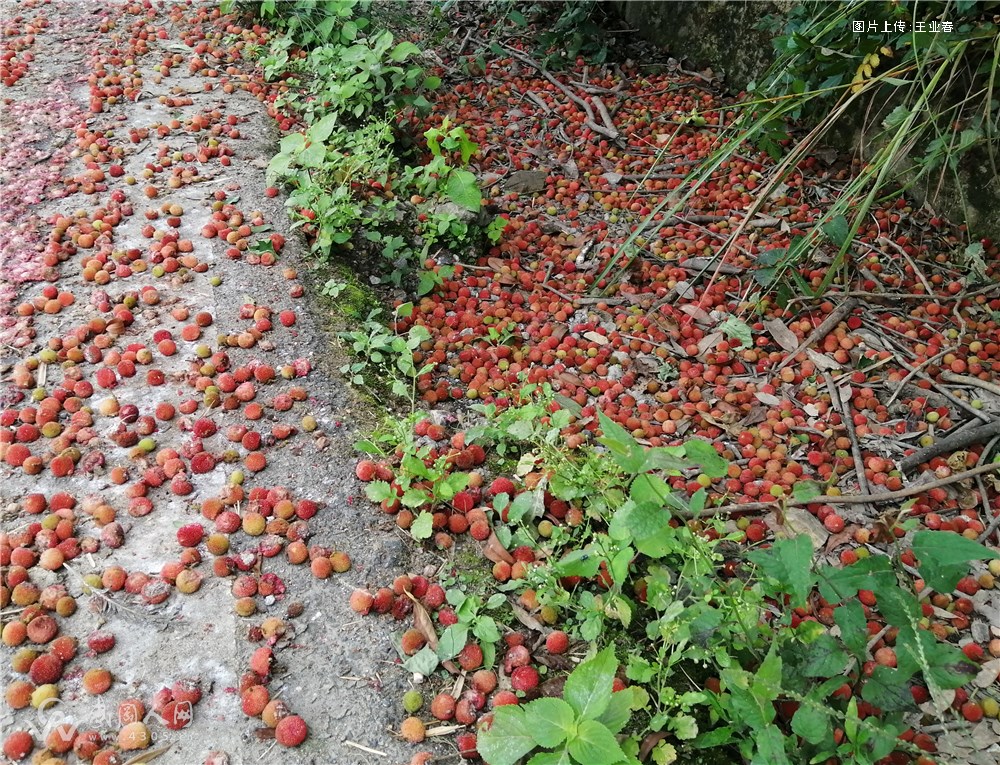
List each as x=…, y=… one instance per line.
x=789, y=562
x=837, y=230
x=649, y=488
x=624, y=449
x=588, y=687
x=649, y=525
x=414, y=498
x=508, y=739
x=279, y=165
x=836, y=584
x=313, y=155
x=811, y=722
x=551, y=758
x=806, y=490
x=349, y=31
x=423, y=662
x=595, y=745
x=619, y=710
x=583, y=563
x=850, y=617
x=551, y=721
x=402, y=50
x=824, y=657
x=452, y=641
x=944, y=557
x=702, y=452
x=888, y=689
x=462, y=188
x=485, y=628
x=292, y=143
x=770, y=747
x=422, y=526
x=320, y=131
x=740, y=330
x=530, y=504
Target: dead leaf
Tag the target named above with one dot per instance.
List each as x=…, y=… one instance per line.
x=443, y=730
x=152, y=754
x=708, y=341
x=495, y=263
x=596, y=337
x=798, y=521
x=988, y=674
x=525, y=181
x=612, y=178
x=767, y=398
x=423, y=622
x=495, y=551
x=782, y=335
x=527, y=619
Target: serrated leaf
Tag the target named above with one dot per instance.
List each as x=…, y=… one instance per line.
x=462, y=188
x=551, y=758
x=624, y=449
x=649, y=525
x=485, y=628
x=588, y=687
x=735, y=328
x=944, y=557
x=422, y=526
x=867, y=574
x=811, y=722
x=508, y=739
x=376, y=491
x=594, y=743
x=770, y=747
x=837, y=230
x=850, y=618
x=552, y=721
x=580, y=562
x=824, y=657
x=789, y=563
x=702, y=452
x=619, y=710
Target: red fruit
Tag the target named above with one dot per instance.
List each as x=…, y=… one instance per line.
x=504, y=698
x=176, y=715
x=470, y=657
x=291, y=731
x=287, y=318
x=254, y=699
x=190, y=535
x=463, y=502
x=101, y=641
x=557, y=642
x=484, y=681
x=972, y=712
x=383, y=600
x=203, y=462
x=412, y=641
x=466, y=743
x=362, y=601
x=365, y=470
x=443, y=706
x=524, y=678
x=18, y=745
x=447, y=617
x=260, y=661
x=45, y=669
x=204, y=428
x=502, y=486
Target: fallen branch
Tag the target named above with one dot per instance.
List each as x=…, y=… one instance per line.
x=825, y=328
x=963, y=438
x=591, y=122
x=847, y=499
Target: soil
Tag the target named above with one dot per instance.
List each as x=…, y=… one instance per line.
x=334, y=669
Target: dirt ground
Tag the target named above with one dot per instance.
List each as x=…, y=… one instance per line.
x=334, y=669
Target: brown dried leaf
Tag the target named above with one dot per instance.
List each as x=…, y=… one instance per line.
x=988, y=674
x=782, y=335
x=527, y=619
x=495, y=263
x=262, y=734
x=423, y=622
x=495, y=551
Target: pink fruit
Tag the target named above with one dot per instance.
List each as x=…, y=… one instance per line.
x=557, y=642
